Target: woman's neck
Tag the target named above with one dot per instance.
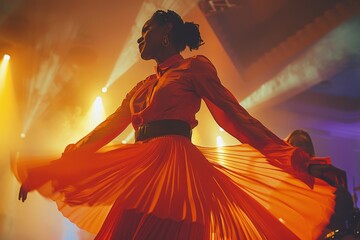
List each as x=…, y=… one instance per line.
x=165, y=55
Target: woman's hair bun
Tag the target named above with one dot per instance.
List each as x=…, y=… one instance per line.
x=192, y=36
x=182, y=34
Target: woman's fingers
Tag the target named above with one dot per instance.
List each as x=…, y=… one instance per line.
x=22, y=194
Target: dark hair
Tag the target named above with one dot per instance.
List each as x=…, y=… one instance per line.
x=300, y=138
x=182, y=34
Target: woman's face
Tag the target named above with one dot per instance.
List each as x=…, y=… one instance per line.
x=300, y=142
x=150, y=40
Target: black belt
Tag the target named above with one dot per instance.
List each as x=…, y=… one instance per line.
x=162, y=127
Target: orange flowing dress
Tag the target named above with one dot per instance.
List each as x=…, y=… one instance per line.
x=167, y=187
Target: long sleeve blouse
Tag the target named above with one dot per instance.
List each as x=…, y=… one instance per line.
x=175, y=92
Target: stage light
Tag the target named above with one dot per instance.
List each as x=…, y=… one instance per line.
x=6, y=57
x=96, y=114
x=22, y=135
x=104, y=89
x=3, y=67
x=8, y=107
x=219, y=141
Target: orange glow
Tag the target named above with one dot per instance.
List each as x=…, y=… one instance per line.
x=96, y=114
x=219, y=141
x=7, y=107
x=3, y=70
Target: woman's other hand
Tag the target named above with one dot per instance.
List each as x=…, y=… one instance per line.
x=22, y=193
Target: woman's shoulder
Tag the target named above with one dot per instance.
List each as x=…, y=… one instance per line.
x=198, y=58
x=200, y=61
x=149, y=78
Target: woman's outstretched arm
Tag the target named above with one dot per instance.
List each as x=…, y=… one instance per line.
x=234, y=119
x=106, y=131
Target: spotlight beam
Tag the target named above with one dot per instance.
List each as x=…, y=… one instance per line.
x=319, y=62
x=130, y=54
x=3, y=67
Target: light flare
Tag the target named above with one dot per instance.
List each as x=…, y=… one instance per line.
x=219, y=141
x=6, y=57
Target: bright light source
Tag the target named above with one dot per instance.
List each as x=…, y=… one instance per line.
x=3, y=70
x=6, y=57
x=98, y=102
x=8, y=106
x=23, y=135
x=96, y=114
x=124, y=142
x=104, y=89
x=219, y=141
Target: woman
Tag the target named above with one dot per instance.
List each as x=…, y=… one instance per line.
x=301, y=138
x=163, y=186
x=341, y=221
x=319, y=167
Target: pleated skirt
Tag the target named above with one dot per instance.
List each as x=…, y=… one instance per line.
x=169, y=188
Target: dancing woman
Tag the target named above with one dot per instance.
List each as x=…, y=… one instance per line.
x=163, y=186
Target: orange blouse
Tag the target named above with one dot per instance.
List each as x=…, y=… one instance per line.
x=175, y=92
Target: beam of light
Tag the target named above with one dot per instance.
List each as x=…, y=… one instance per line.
x=3, y=67
x=320, y=61
x=8, y=107
x=43, y=88
x=219, y=141
x=130, y=53
x=51, y=76
x=96, y=114
x=39, y=90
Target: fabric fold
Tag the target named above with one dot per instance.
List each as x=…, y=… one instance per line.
x=229, y=192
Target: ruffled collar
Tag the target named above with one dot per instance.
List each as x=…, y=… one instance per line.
x=161, y=68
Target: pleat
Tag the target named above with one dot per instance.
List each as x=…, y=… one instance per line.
x=171, y=187
x=303, y=210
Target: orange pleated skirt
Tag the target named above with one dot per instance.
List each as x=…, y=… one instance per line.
x=169, y=188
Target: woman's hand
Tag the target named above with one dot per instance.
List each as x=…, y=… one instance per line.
x=22, y=193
